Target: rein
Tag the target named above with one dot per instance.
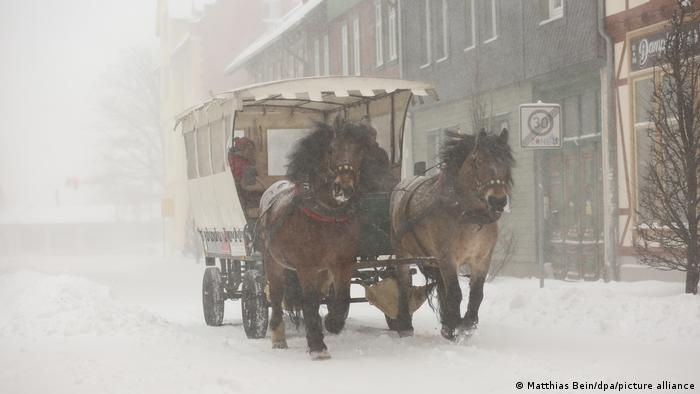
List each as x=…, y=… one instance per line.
x=451, y=200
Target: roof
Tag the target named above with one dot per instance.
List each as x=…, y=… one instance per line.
x=318, y=94
x=292, y=19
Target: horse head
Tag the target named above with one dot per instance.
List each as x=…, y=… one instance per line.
x=329, y=160
x=346, y=152
x=482, y=167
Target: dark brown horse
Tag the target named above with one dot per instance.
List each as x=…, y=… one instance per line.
x=310, y=226
x=452, y=217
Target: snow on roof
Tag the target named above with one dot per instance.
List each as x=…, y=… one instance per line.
x=290, y=20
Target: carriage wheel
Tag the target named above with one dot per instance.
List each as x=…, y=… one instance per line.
x=254, y=305
x=212, y=297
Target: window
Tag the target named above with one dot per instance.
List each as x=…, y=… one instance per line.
x=438, y=11
x=300, y=60
x=425, y=37
x=434, y=139
x=278, y=71
x=326, y=56
x=344, y=53
x=488, y=27
x=643, y=89
x=291, y=69
x=356, y=45
x=317, y=57
x=590, y=117
x=203, y=151
x=191, y=150
x=392, y=33
x=556, y=9
x=470, y=19
x=572, y=116
x=378, y=34
x=432, y=146
x=218, y=146
x=280, y=142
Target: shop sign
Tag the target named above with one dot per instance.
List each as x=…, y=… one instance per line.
x=647, y=51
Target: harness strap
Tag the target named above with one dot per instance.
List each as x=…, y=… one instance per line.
x=313, y=215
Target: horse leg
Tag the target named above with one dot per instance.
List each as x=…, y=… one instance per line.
x=476, y=295
x=404, y=320
x=312, y=320
x=339, y=299
x=450, y=297
x=276, y=285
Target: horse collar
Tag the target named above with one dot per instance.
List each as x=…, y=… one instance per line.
x=316, y=211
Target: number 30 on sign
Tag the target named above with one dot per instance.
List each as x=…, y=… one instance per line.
x=540, y=126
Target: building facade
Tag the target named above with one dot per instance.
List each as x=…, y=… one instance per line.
x=326, y=37
x=485, y=57
x=634, y=27
x=194, y=51
x=490, y=56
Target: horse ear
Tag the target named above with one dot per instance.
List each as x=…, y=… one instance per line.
x=504, y=136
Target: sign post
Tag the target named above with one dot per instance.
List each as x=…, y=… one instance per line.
x=540, y=128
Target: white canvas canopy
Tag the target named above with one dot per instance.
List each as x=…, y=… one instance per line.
x=265, y=113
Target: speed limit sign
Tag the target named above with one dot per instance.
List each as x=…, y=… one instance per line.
x=540, y=126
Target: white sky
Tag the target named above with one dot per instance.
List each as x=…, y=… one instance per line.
x=53, y=54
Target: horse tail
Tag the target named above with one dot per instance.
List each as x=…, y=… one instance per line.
x=292, y=296
x=432, y=277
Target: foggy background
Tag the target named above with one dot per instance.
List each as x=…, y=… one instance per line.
x=54, y=55
x=72, y=76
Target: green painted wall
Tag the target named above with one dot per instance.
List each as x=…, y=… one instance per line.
x=521, y=219
x=335, y=8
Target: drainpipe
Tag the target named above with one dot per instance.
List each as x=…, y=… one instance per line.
x=609, y=141
x=399, y=21
x=407, y=148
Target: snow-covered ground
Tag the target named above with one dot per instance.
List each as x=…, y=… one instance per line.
x=127, y=323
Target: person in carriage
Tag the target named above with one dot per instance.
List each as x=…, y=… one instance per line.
x=376, y=170
x=241, y=159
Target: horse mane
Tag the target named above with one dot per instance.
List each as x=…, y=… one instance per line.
x=456, y=147
x=305, y=159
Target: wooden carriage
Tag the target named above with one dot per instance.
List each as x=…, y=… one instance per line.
x=274, y=115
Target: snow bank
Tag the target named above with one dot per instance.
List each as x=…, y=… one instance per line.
x=39, y=305
x=648, y=311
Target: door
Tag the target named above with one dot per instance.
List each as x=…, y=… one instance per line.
x=574, y=210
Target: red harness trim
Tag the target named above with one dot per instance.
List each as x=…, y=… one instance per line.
x=322, y=218
x=313, y=215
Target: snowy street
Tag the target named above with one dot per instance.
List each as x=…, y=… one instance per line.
x=126, y=323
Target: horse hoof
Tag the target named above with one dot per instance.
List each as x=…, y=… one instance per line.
x=320, y=355
x=405, y=333
x=333, y=326
x=448, y=333
x=279, y=345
